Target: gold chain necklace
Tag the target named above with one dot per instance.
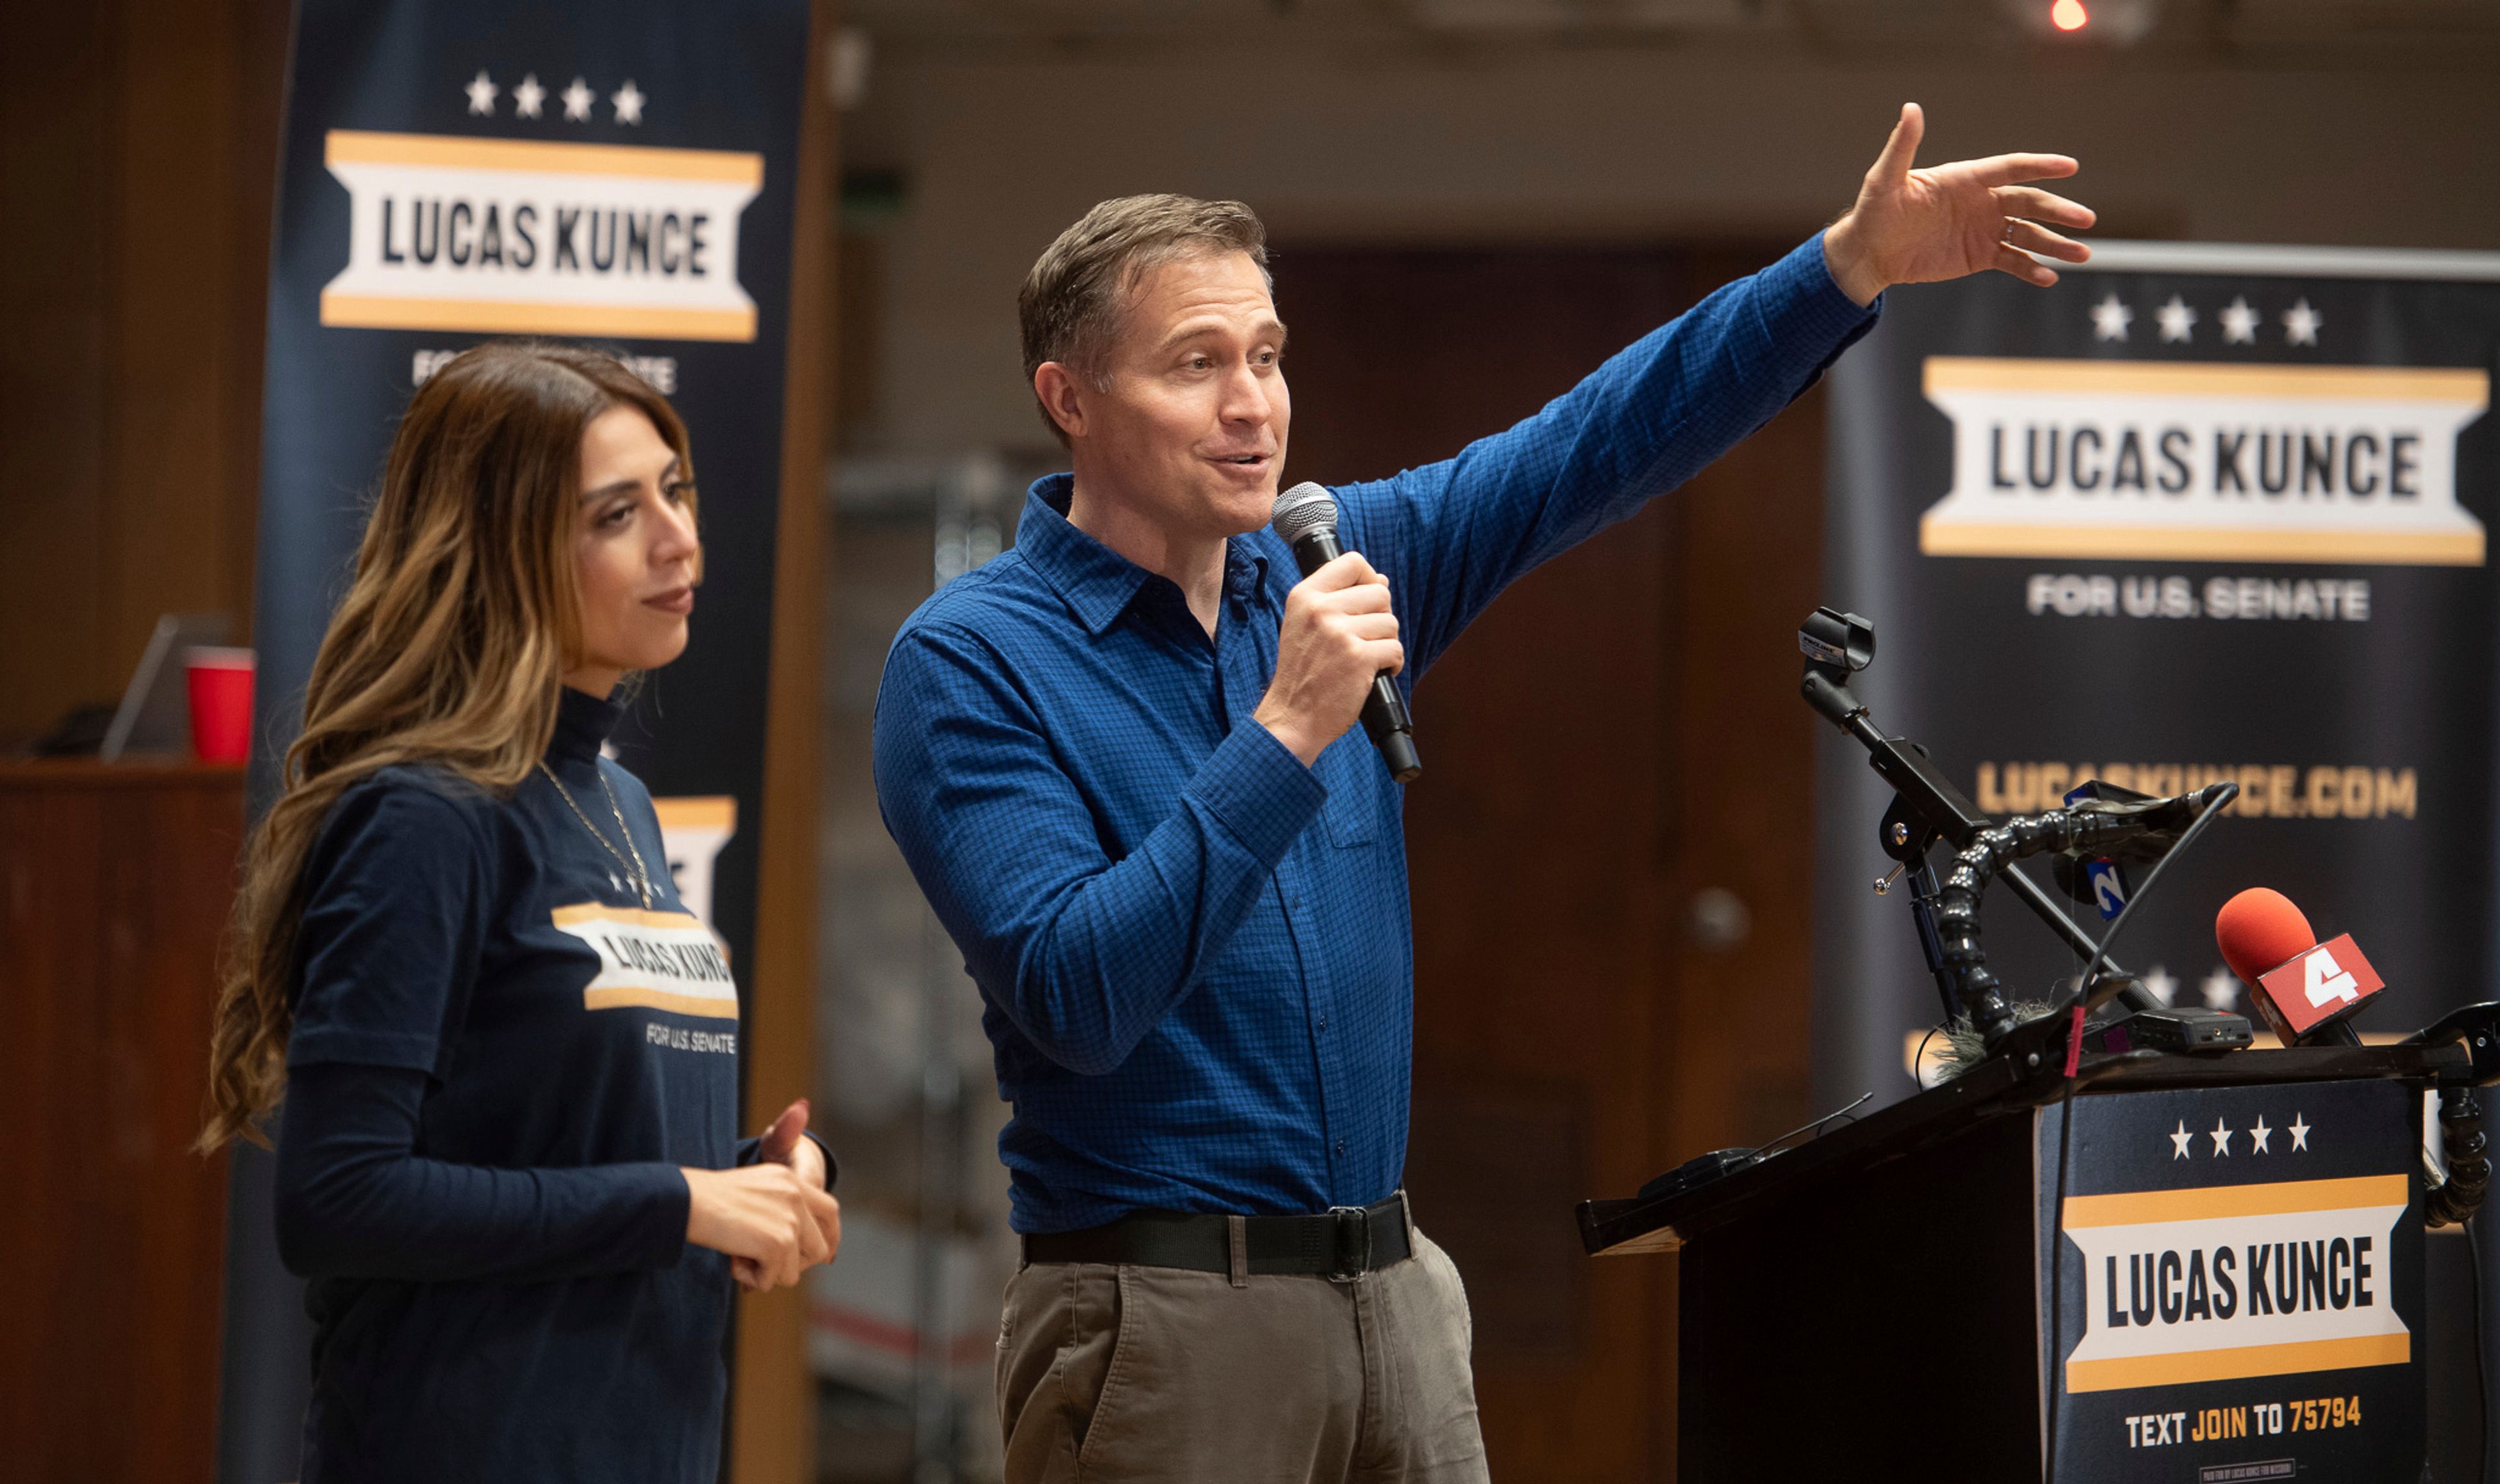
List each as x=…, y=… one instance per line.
x=641, y=874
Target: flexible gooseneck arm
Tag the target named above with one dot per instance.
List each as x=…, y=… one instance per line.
x=2081, y=828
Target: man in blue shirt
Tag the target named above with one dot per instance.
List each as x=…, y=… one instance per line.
x=1121, y=762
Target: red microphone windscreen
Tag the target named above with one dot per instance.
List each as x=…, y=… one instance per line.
x=2258, y=929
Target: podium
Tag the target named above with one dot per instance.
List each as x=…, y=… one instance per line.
x=2206, y=1268
x=114, y=886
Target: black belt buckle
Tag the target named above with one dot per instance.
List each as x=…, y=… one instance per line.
x=1353, y=1233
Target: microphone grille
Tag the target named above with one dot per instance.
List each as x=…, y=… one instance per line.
x=2259, y=929
x=1302, y=509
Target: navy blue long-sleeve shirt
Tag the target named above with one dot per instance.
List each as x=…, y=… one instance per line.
x=500, y=1061
x=1200, y=1001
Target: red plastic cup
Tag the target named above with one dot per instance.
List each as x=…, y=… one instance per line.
x=220, y=704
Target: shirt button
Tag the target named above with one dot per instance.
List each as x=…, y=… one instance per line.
x=1323, y=1022
x=1341, y=1146
x=1295, y=902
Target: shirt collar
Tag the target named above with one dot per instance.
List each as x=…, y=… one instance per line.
x=582, y=722
x=1098, y=583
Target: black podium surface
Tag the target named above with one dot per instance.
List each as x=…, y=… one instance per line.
x=2201, y=1268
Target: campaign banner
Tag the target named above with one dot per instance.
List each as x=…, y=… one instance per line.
x=2236, y=1284
x=2195, y=514
x=619, y=173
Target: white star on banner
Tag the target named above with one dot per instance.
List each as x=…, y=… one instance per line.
x=481, y=94
x=2109, y=318
x=629, y=101
x=578, y=99
x=2300, y=324
x=2161, y=984
x=2179, y=1140
x=2258, y=1136
x=527, y=97
x=2239, y=324
x=2221, y=991
x=2222, y=1137
x=2177, y=321
x=2299, y=1134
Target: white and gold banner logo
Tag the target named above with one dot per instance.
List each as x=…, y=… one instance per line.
x=2204, y=461
x=661, y=961
x=2236, y=1280
x=519, y=236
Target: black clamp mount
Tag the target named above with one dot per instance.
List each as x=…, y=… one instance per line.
x=1927, y=808
x=2466, y=1151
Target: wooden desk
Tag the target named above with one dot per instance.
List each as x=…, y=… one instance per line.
x=114, y=884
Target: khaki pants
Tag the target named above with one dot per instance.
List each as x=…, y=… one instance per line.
x=1124, y=1373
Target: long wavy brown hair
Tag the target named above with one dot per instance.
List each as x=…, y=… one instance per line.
x=449, y=649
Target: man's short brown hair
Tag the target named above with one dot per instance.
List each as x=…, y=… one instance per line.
x=1069, y=307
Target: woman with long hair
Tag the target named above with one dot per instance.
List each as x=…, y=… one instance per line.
x=506, y=1154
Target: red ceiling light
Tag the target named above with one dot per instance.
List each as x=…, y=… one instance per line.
x=2069, y=16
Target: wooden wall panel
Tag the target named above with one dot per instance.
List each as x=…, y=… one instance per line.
x=143, y=149
x=55, y=120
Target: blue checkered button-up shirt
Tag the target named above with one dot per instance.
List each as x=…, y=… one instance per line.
x=1194, y=953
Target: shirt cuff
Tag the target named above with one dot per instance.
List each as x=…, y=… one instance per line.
x=752, y=1150
x=408, y=1051
x=832, y=1167
x=659, y=1239
x=1808, y=302
x=1255, y=786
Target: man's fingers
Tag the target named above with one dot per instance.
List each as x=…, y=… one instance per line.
x=1893, y=166
x=1361, y=598
x=1386, y=655
x=2031, y=237
x=1343, y=572
x=2022, y=266
x=2011, y=169
x=2043, y=206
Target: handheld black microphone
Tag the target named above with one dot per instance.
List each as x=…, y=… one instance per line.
x=1307, y=518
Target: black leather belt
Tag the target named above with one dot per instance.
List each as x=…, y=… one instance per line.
x=1344, y=1241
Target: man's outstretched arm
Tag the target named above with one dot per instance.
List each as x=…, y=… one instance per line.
x=1452, y=535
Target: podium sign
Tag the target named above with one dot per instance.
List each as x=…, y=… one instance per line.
x=2236, y=1286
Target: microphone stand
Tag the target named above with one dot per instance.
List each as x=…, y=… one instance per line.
x=1927, y=808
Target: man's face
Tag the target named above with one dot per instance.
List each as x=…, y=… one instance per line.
x=1191, y=432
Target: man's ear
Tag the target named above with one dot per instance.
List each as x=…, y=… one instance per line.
x=1061, y=397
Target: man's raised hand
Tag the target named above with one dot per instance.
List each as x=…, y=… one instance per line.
x=1946, y=221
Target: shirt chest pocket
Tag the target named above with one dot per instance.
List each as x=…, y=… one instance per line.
x=1351, y=769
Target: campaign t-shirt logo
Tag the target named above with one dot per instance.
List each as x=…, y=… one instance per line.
x=654, y=960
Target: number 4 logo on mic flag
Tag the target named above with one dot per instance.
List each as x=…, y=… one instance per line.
x=2323, y=980
x=2321, y=984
